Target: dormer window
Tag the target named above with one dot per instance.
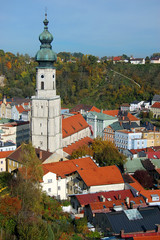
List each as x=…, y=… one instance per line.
x=155, y=197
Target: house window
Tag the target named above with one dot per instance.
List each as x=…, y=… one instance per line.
x=1, y=162
x=49, y=189
x=42, y=85
x=1, y=169
x=49, y=180
x=59, y=188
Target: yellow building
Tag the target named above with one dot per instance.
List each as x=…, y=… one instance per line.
x=153, y=138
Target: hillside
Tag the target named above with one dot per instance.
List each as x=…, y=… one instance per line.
x=82, y=79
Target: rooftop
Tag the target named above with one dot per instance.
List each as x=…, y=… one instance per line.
x=73, y=124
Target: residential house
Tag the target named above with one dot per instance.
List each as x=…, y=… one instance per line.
x=74, y=128
x=155, y=60
x=58, y=178
x=100, y=179
x=3, y=156
x=97, y=122
x=137, y=60
x=123, y=116
x=125, y=107
x=109, y=131
x=132, y=165
x=16, y=132
x=129, y=223
x=155, y=108
x=79, y=201
x=13, y=161
x=7, y=146
x=156, y=98
x=152, y=197
x=136, y=105
x=8, y=103
x=152, y=137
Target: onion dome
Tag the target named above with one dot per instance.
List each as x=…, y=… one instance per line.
x=46, y=56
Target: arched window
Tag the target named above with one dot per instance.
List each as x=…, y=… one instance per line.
x=42, y=85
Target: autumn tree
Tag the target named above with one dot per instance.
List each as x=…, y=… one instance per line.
x=106, y=154
x=82, y=151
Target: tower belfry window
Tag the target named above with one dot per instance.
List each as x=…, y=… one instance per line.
x=42, y=85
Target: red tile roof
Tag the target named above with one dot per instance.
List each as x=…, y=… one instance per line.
x=78, y=144
x=85, y=199
x=73, y=125
x=20, y=109
x=150, y=237
x=101, y=176
x=117, y=58
x=94, y=109
x=156, y=105
x=136, y=185
x=154, y=155
x=5, y=154
x=148, y=193
x=67, y=167
x=96, y=206
x=113, y=113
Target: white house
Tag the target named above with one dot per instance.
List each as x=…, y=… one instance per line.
x=137, y=60
x=136, y=105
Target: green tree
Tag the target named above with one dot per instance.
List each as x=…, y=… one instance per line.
x=106, y=154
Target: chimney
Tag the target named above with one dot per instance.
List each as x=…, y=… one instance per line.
x=40, y=154
x=127, y=200
x=120, y=123
x=158, y=228
x=122, y=232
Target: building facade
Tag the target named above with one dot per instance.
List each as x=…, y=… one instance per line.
x=46, y=126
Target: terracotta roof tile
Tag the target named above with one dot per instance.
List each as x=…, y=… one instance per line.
x=113, y=113
x=148, y=193
x=73, y=124
x=101, y=176
x=136, y=185
x=85, y=199
x=20, y=109
x=74, y=146
x=5, y=154
x=67, y=167
x=156, y=105
x=117, y=113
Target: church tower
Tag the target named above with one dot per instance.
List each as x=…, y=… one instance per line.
x=46, y=126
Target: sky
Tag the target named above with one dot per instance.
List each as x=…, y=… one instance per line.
x=97, y=27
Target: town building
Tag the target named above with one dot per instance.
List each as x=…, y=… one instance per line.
x=3, y=156
x=155, y=60
x=155, y=108
x=127, y=139
x=15, y=131
x=46, y=124
x=156, y=98
x=137, y=60
x=74, y=128
x=97, y=122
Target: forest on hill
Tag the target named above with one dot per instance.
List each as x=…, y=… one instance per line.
x=81, y=79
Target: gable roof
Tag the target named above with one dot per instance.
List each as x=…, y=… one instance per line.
x=20, y=109
x=74, y=146
x=73, y=125
x=101, y=116
x=116, y=126
x=67, y=167
x=135, y=184
x=126, y=116
x=5, y=154
x=146, y=220
x=101, y=176
x=41, y=154
x=84, y=107
x=156, y=105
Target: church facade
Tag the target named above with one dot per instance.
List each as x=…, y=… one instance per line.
x=46, y=122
